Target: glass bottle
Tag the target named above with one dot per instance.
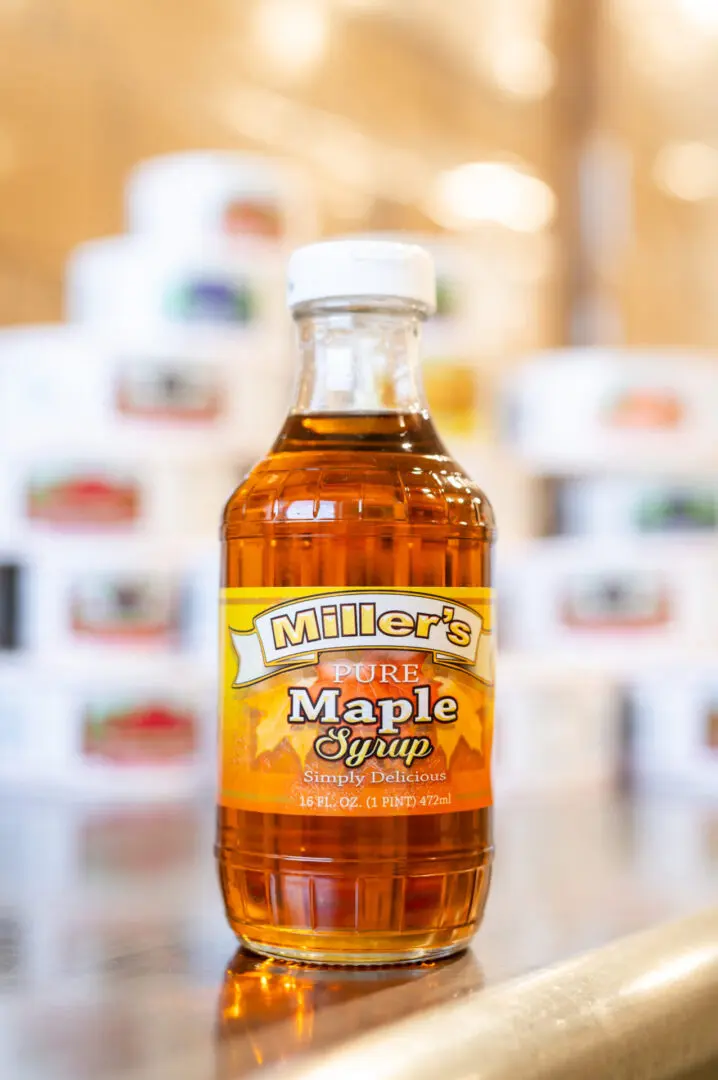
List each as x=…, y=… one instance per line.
x=354, y=810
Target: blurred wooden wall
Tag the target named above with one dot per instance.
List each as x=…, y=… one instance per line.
x=89, y=87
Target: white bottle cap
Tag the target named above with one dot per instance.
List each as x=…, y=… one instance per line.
x=361, y=268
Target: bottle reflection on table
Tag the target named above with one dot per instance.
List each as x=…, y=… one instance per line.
x=271, y=1011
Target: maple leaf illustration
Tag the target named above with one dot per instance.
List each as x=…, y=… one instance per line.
x=470, y=699
x=273, y=707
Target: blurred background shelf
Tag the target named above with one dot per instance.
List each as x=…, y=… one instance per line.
x=156, y=165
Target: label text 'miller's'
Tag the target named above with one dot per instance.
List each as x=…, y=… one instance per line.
x=327, y=622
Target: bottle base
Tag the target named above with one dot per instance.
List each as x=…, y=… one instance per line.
x=357, y=920
x=330, y=958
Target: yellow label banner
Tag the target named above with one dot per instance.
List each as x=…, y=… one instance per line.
x=356, y=701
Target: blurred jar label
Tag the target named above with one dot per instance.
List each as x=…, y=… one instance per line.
x=153, y=731
x=362, y=701
x=96, y=497
x=677, y=509
x=252, y=217
x=123, y=608
x=644, y=409
x=212, y=298
x=170, y=390
x=447, y=297
x=618, y=601
x=455, y=400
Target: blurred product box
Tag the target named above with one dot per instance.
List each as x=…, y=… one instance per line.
x=134, y=283
x=108, y=492
x=675, y=730
x=221, y=193
x=555, y=730
x=113, y=732
x=127, y=734
x=620, y=603
x=211, y=395
x=622, y=507
x=168, y=391
x=114, y=599
x=601, y=410
x=52, y=379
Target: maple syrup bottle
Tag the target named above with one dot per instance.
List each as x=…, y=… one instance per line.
x=354, y=808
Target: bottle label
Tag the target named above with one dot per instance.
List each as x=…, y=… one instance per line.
x=364, y=702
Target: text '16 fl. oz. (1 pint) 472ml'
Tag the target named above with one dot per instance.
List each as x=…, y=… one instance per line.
x=354, y=816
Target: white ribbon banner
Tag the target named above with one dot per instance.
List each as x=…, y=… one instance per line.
x=295, y=633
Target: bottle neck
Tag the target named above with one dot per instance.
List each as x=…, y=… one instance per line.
x=357, y=359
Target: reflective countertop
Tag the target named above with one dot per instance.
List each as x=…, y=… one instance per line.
x=115, y=960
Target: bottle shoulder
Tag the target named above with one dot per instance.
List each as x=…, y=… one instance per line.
x=363, y=488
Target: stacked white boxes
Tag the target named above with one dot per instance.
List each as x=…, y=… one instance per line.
x=463, y=363
x=122, y=433
x=628, y=590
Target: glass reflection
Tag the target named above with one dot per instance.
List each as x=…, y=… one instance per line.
x=270, y=1011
